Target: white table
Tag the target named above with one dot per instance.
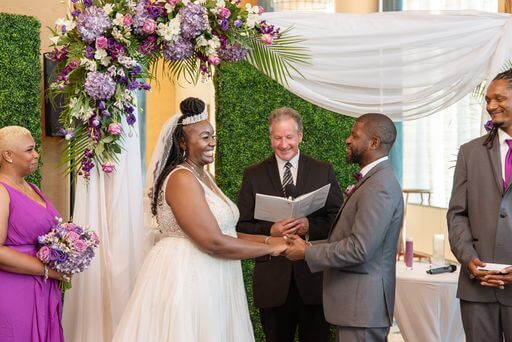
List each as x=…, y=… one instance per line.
x=426, y=309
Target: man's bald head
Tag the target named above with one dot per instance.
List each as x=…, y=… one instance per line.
x=379, y=126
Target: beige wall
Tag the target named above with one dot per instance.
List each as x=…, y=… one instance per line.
x=54, y=184
x=357, y=6
x=421, y=223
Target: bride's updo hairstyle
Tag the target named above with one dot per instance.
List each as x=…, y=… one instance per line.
x=189, y=108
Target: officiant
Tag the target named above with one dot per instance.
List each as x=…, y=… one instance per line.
x=287, y=294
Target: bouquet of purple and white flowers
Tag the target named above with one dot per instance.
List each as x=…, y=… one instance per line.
x=67, y=248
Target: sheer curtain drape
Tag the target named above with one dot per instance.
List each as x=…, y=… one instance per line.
x=112, y=206
x=405, y=64
x=431, y=144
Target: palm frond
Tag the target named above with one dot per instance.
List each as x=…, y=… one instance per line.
x=279, y=61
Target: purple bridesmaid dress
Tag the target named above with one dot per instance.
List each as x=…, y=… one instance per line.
x=30, y=308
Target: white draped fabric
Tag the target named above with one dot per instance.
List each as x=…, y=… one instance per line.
x=112, y=206
x=405, y=64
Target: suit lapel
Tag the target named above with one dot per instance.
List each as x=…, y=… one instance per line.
x=273, y=174
x=373, y=171
x=494, y=157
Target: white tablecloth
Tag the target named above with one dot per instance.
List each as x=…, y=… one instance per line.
x=426, y=309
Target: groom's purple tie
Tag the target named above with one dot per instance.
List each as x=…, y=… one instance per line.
x=508, y=164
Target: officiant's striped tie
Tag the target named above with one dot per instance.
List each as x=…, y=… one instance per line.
x=287, y=176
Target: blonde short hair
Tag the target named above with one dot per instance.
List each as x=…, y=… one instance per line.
x=8, y=135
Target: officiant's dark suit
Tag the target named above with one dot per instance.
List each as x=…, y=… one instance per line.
x=287, y=293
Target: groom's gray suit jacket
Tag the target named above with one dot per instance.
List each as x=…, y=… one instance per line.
x=358, y=259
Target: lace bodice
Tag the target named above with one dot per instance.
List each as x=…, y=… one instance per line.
x=223, y=209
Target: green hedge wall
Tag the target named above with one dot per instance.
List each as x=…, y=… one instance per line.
x=20, y=72
x=243, y=137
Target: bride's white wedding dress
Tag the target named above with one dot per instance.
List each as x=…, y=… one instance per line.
x=183, y=294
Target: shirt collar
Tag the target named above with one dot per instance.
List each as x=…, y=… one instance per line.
x=294, y=161
x=370, y=166
x=502, y=136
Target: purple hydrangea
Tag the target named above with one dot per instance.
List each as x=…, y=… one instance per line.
x=232, y=52
x=92, y=23
x=99, y=86
x=180, y=50
x=193, y=20
x=140, y=16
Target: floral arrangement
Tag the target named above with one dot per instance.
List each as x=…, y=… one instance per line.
x=67, y=248
x=105, y=50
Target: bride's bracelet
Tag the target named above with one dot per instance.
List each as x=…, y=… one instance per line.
x=45, y=272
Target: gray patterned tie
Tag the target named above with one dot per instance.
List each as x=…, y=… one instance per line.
x=287, y=176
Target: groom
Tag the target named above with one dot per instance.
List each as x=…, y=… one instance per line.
x=358, y=259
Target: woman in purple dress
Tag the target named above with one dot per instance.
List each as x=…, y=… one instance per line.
x=30, y=298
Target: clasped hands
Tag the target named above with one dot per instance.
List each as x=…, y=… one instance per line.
x=286, y=235
x=496, y=279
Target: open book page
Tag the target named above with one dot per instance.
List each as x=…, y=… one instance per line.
x=274, y=208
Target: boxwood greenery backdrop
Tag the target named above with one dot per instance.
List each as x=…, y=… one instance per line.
x=244, y=98
x=20, y=74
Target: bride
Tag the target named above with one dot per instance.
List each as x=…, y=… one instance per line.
x=190, y=287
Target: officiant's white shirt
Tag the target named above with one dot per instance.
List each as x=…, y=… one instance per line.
x=295, y=166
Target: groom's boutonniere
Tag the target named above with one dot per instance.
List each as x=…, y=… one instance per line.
x=352, y=187
x=350, y=190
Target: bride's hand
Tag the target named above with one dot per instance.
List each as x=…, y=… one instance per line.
x=278, y=246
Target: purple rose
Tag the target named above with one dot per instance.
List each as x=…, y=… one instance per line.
x=115, y=128
x=238, y=23
x=127, y=20
x=79, y=245
x=101, y=42
x=43, y=254
x=72, y=236
x=108, y=167
x=149, y=26
x=214, y=60
x=224, y=12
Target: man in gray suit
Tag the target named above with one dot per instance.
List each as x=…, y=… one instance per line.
x=358, y=259
x=480, y=221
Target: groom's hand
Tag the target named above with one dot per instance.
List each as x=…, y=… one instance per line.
x=296, y=248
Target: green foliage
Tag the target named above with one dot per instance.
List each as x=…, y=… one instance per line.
x=244, y=99
x=20, y=72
